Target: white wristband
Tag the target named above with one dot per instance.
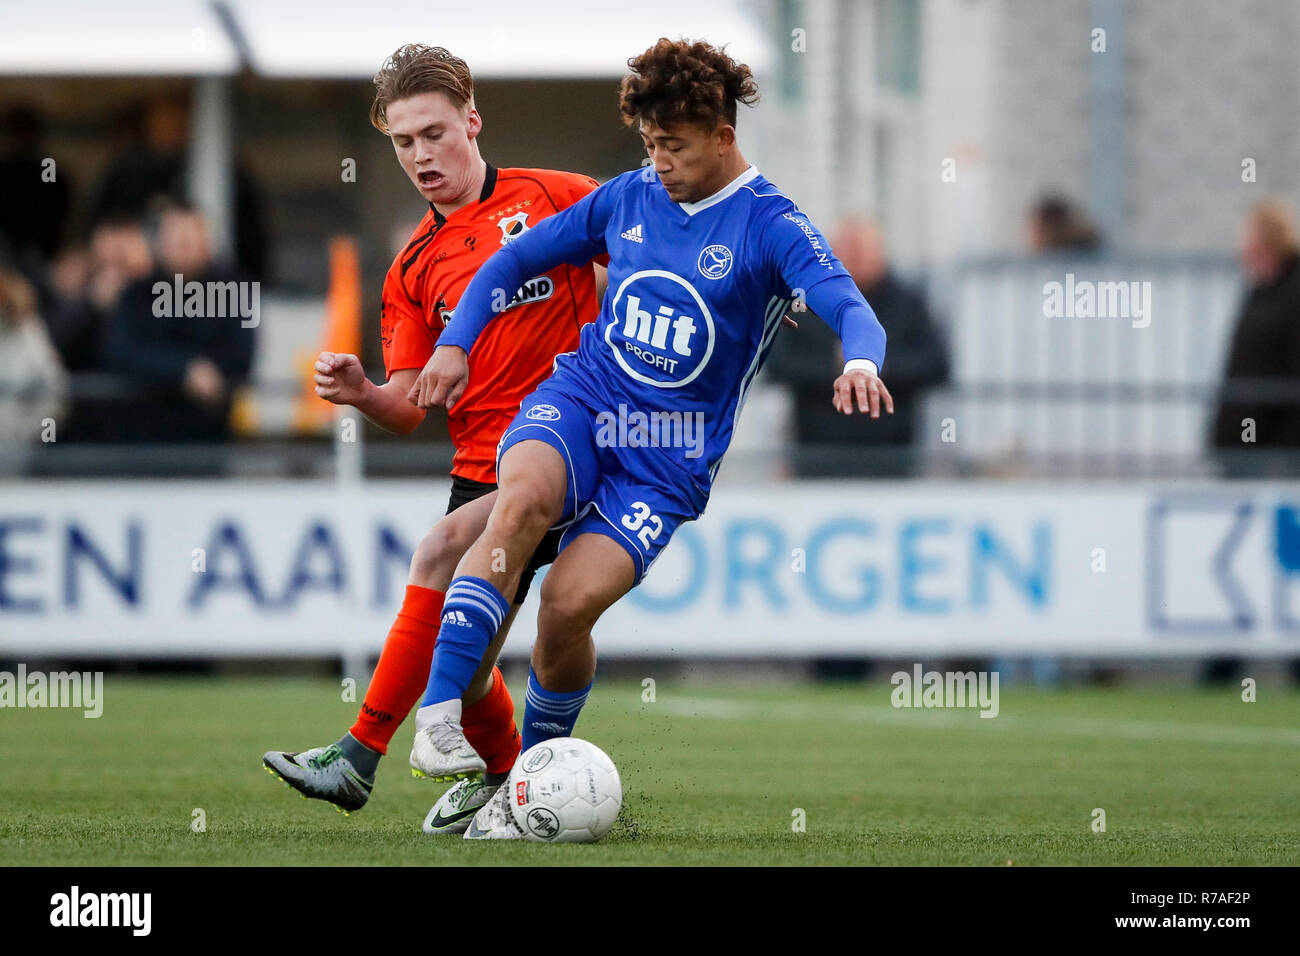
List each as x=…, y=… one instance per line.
x=863, y=365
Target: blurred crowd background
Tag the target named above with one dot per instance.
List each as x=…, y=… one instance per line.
x=965, y=158
x=959, y=153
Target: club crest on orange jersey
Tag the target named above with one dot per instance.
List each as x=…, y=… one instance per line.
x=512, y=227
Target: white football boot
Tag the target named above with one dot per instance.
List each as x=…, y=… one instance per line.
x=456, y=808
x=495, y=821
x=440, y=750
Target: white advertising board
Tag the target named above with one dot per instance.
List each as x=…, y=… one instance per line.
x=304, y=568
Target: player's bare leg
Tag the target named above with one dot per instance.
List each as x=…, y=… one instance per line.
x=452, y=812
x=443, y=545
x=586, y=579
x=343, y=773
x=532, y=481
x=532, y=484
x=434, y=565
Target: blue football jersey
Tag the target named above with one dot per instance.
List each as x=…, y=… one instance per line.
x=696, y=295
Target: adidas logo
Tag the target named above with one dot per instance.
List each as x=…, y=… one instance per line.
x=634, y=234
x=456, y=617
x=550, y=727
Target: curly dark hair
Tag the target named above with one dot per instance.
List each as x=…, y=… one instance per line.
x=682, y=81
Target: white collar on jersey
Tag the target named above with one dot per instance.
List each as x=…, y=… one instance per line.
x=691, y=208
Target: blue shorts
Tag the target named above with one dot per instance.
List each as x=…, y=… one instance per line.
x=608, y=493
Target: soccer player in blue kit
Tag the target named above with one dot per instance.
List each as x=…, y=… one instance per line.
x=705, y=258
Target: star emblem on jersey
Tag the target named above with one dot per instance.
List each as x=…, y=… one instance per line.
x=507, y=210
x=634, y=234
x=512, y=227
x=714, y=262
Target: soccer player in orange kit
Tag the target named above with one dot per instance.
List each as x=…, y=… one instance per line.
x=424, y=102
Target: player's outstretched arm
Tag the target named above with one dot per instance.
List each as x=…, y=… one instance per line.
x=445, y=376
x=866, y=386
x=443, y=379
x=800, y=255
x=340, y=379
x=839, y=302
x=574, y=235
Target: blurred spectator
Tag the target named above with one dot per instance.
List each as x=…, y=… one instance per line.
x=149, y=140
x=1265, y=346
x=1057, y=225
x=35, y=384
x=88, y=284
x=152, y=162
x=809, y=359
x=34, y=210
x=189, y=364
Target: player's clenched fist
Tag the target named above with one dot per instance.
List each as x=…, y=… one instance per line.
x=339, y=378
x=869, y=390
x=443, y=379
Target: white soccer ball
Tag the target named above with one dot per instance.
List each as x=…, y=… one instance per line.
x=564, y=790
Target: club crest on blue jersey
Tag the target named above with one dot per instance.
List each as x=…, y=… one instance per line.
x=661, y=331
x=714, y=261
x=543, y=413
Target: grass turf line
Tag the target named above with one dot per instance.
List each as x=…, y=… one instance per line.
x=711, y=775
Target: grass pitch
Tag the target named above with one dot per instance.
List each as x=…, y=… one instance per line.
x=712, y=774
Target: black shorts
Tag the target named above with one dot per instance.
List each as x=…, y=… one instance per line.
x=465, y=490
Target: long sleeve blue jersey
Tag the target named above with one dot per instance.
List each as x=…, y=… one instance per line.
x=696, y=296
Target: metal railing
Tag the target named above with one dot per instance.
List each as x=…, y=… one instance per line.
x=1056, y=433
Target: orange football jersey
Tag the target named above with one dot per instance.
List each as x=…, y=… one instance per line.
x=517, y=351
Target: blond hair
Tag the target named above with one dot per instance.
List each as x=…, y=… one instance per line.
x=414, y=69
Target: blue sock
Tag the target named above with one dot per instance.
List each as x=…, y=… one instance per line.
x=471, y=616
x=548, y=713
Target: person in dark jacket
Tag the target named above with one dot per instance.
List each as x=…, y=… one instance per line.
x=152, y=162
x=37, y=196
x=187, y=365
x=1264, y=353
x=835, y=445
x=1058, y=225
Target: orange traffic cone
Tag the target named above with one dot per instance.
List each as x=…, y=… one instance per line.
x=341, y=333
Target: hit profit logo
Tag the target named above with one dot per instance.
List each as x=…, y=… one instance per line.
x=662, y=331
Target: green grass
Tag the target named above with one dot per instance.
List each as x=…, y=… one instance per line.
x=711, y=774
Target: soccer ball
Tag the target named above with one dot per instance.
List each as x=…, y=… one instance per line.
x=564, y=790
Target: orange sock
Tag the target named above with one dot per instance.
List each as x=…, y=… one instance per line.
x=490, y=727
x=403, y=670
